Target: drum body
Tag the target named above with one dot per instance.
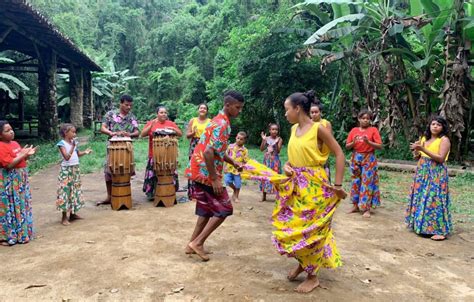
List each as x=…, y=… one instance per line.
x=165, y=158
x=121, y=165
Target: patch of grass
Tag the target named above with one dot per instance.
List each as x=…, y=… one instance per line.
x=46, y=155
x=462, y=196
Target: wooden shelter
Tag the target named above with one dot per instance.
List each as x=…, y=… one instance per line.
x=25, y=30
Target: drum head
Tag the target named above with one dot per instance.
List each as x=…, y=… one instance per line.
x=160, y=132
x=120, y=139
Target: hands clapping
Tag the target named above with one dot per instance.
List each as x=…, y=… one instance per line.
x=28, y=150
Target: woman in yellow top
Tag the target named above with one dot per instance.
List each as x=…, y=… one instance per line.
x=428, y=209
x=305, y=201
x=316, y=113
x=196, y=127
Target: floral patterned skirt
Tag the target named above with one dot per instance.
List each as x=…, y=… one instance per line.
x=428, y=208
x=365, y=181
x=70, y=197
x=16, y=216
x=273, y=162
x=149, y=184
x=302, y=215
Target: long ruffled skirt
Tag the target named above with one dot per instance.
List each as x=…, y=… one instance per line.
x=302, y=215
x=70, y=197
x=428, y=208
x=365, y=191
x=16, y=216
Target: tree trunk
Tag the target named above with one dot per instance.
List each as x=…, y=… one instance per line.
x=76, y=91
x=47, y=106
x=456, y=94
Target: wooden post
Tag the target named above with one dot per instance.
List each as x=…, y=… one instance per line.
x=76, y=95
x=21, y=108
x=88, y=106
x=47, y=106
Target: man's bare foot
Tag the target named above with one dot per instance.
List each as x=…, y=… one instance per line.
x=355, y=209
x=308, y=285
x=236, y=200
x=188, y=251
x=74, y=217
x=438, y=237
x=294, y=273
x=199, y=251
x=99, y=203
x=65, y=222
x=366, y=214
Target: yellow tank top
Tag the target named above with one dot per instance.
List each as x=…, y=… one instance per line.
x=303, y=151
x=200, y=126
x=433, y=147
x=324, y=122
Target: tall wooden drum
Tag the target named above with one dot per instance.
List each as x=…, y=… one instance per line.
x=165, y=159
x=121, y=165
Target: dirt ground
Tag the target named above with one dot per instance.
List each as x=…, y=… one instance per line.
x=138, y=255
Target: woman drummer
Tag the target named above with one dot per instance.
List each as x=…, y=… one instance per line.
x=161, y=122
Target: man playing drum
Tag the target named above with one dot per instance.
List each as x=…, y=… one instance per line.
x=118, y=122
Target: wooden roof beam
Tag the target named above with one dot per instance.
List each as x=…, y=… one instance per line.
x=5, y=34
x=36, y=42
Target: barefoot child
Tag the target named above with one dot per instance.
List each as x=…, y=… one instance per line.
x=364, y=140
x=16, y=216
x=69, y=198
x=316, y=113
x=239, y=154
x=428, y=209
x=271, y=145
x=213, y=205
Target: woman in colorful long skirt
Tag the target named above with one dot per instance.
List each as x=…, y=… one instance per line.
x=365, y=193
x=306, y=201
x=428, y=209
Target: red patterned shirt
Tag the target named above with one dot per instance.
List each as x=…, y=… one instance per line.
x=216, y=136
x=157, y=126
x=8, y=152
x=358, y=134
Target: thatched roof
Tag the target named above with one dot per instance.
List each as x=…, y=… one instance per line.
x=24, y=29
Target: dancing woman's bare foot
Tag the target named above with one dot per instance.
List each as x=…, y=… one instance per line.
x=438, y=237
x=294, y=273
x=74, y=217
x=366, y=214
x=199, y=251
x=188, y=251
x=308, y=285
x=355, y=209
x=65, y=222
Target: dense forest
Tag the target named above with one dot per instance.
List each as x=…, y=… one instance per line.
x=405, y=60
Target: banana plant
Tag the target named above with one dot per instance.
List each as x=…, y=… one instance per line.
x=6, y=80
